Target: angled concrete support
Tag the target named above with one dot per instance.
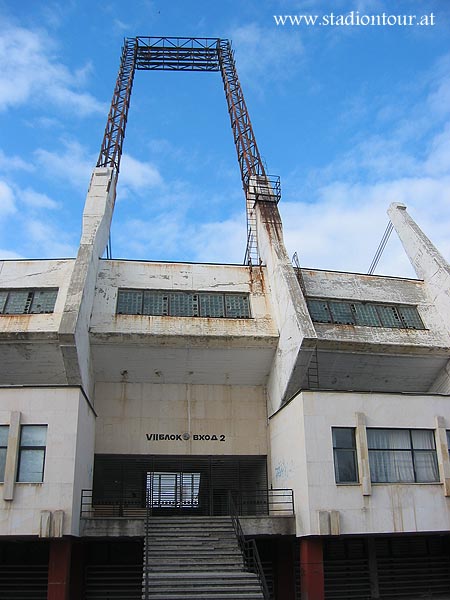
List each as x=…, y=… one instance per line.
x=297, y=339
x=74, y=327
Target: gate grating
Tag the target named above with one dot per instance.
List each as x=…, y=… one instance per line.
x=196, y=485
x=346, y=570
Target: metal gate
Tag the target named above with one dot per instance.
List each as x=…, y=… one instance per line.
x=196, y=485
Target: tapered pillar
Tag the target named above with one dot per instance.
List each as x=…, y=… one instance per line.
x=311, y=569
x=59, y=569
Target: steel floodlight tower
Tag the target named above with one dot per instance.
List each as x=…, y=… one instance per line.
x=193, y=54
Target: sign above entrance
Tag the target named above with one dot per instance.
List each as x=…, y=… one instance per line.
x=184, y=437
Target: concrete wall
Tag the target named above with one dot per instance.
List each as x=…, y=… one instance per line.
x=371, y=288
x=115, y=274
x=219, y=419
x=17, y=274
x=68, y=460
x=305, y=426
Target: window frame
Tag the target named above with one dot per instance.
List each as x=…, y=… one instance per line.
x=347, y=449
x=411, y=450
x=386, y=315
x=27, y=448
x=186, y=303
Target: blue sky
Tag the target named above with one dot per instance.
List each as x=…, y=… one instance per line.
x=351, y=118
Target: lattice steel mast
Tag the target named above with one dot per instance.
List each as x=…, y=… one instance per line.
x=193, y=54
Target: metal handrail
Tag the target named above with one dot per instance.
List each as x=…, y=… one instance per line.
x=248, y=548
x=254, y=503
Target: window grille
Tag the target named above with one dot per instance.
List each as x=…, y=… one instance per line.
x=183, y=304
x=368, y=314
x=20, y=302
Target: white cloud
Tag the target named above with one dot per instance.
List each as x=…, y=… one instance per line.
x=48, y=240
x=72, y=164
x=8, y=254
x=269, y=52
x=14, y=163
x=30, y=72
x=136, y=175
x=7, y=200
x=37, y=200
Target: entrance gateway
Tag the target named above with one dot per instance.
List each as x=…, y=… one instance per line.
x=174, y=485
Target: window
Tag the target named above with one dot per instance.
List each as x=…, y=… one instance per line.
x=366, y=314
x=20, y=302
x=402, y=456
x=32, y=453
x=173, y=490
x=344, y=450
x=183, y=304
x=4, y=431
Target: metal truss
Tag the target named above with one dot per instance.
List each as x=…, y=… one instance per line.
x=192, y=54
x=111, y=149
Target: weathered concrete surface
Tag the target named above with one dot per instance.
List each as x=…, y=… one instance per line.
x=125, y=527
x=302, y=459
x=297, y=334
x=74, y=327
x=430, y=266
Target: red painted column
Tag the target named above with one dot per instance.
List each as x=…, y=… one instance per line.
x=311, y=569
x=59, y=569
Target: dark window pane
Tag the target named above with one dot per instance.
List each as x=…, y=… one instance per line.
x=31, y=465
x=342, y=313
x=319, y=311
x=212, y=305
x=425, y=463
x=3, y=297
x=343, y=437
x=183, y=304
x=43, y=301
x=18, y=302
x=155, y=303
x=366, y=314
x=345, y=466
x=129, y=302
x=411, y=317
x=2, y=463
x=389, y=316
x=4, y=432
x=237, y=306
x=33, y=435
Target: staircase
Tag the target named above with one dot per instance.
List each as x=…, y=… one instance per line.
x=195, y=558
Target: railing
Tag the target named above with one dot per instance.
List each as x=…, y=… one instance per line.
x=249, y=549
x=257, y=503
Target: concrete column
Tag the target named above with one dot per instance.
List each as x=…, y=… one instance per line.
x=362, y=452
x=59, y=569
x=430, y=266
x=12, y=456
x=311, y=569
x=297, y=341
x=285, y=572
x=442, y=454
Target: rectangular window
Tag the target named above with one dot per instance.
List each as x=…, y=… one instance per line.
x=366, y=314
x=23, y=302
x=344, y=451
x=4, y=432
x=32, y=453
x=402, y=456
x=183, y=304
